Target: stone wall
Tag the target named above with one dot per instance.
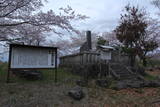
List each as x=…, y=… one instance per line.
x=119, y=58
x=89, y=71
x=80, y=58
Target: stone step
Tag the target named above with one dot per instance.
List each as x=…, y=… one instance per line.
x=124, y=74
x=115, y=66
x=128, y=76
x=118, y=72
x=122, y=71
x=118, y=68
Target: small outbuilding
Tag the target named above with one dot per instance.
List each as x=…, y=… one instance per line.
x=105, y=52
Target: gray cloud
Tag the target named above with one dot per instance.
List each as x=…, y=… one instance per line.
x=104, y=14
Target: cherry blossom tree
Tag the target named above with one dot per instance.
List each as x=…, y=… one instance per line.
x=24, y=20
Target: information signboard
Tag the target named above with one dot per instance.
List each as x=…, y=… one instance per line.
x=31, y=57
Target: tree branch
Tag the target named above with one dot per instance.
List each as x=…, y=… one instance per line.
x=14, y=24
x=16, y=8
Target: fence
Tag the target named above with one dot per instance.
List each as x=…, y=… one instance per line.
x=80, y=58
x=117, y=57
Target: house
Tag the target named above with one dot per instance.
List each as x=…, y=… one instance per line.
x=105, y=52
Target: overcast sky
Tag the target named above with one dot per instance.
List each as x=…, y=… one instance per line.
x=104, y=14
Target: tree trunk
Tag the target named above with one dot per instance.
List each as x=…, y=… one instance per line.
x=144, y=62
x=132, y=60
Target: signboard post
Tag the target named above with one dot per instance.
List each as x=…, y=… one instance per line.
x=27, y=57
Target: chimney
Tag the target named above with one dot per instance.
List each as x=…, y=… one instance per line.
x=89, y=39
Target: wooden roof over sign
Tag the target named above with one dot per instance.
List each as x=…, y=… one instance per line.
x=106, y=48
x=32, y=46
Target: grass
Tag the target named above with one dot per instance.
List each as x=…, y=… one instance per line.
x=150, y=77
x=63, y=76
x=112, y=85
x=153, y=63
x=3, y=72
x=150, y=63
x=45, y=93
x=42, y=93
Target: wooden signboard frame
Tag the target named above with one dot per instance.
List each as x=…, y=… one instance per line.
x=11, y=46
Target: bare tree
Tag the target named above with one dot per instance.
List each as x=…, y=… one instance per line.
x=111, y=38
x=156, y=3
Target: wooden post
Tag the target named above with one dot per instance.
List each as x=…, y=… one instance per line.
x=109, y=69
x=9, y=64
x=56, y=66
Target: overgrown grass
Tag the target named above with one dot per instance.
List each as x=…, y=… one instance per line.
x=63, y=76
x=150, y=77
x=153, y=63
x=3, y=72
x=112, y=85
x=150, y=63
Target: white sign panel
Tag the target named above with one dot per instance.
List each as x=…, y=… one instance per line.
x=106, y=55
x=31, y=57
